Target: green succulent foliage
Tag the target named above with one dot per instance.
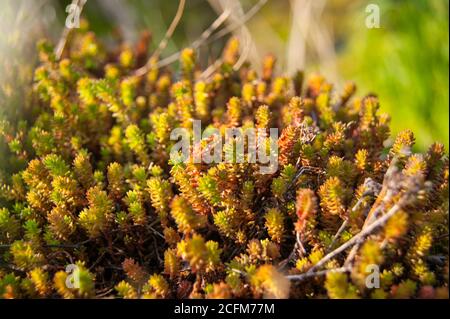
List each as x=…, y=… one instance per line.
x=98, y=188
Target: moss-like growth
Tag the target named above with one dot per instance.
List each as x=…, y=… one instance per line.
x=98, y=188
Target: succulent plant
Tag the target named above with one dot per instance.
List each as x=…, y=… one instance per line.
x=99, y=190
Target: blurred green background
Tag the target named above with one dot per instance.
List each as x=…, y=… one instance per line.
x=405, y=61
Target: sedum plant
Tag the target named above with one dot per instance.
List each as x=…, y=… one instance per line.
x=99, y=190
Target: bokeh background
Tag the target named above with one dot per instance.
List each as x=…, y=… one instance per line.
x=405, y=61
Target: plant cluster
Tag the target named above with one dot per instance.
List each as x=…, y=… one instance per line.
x=98, y=189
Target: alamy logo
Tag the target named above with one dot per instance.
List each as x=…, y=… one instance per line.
x=373, y=277
x=73, y=277
x=74, y=12
x=373, y=17
x=251, y=145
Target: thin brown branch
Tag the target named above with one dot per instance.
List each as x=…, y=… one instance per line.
x=357, y=238
x=197, y=43
x=173, y=25
x=59, y=49
x=163, y=44
x=76, y=245
x=301, y=249
x=317, y=273
x=338, y=233
x=369, y=220
x=206, y=37
x=248, y=15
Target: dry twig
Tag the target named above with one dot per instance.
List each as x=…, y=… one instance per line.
x=358, y=238
x=317, y=273
x=163, y=44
